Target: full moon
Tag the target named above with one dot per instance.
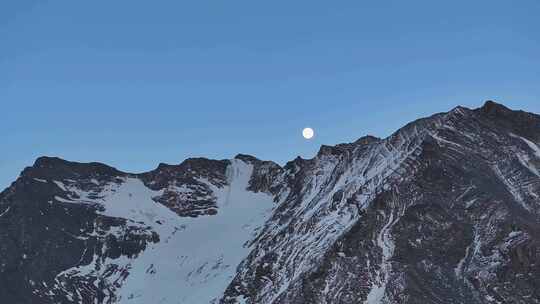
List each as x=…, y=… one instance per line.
x=308, y=133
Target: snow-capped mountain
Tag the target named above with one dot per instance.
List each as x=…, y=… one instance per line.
x=445, y=210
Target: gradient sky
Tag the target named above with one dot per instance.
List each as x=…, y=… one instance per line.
x=135, y=83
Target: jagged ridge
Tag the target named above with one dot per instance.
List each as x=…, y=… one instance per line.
x=445, y=210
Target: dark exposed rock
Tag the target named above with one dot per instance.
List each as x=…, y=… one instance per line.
x=184, y=192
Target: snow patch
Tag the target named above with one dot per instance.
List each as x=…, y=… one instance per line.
x=60, y=185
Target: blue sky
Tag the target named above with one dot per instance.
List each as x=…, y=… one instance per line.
x=135, y=83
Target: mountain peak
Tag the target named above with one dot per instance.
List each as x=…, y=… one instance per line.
x=519, y=122
x=330, y=150
x=247, y=158
x=48, y=161
x=491, y=107
x=367, y=139
x=58, y=167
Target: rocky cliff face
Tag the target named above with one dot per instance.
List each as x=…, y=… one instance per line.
x=445, y=210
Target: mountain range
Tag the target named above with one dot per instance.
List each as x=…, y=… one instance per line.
x=444, y=210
